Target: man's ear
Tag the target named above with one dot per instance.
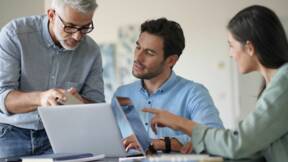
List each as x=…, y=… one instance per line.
x=249, y=47
x=172, y=59
x=51, y=15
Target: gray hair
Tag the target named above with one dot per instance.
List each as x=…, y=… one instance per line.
x=84, y=6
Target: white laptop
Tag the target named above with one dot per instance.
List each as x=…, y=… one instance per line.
x=86, y=128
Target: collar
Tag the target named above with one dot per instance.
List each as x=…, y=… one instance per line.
x=164, y=87
x=282, y=71
x=45, y=33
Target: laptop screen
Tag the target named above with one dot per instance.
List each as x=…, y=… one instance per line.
x=129, y=121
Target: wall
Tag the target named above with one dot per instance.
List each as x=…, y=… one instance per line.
x=17, y=8
x=205, y=58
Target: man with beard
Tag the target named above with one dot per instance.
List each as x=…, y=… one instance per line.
x=41, y=59
x=158, y=48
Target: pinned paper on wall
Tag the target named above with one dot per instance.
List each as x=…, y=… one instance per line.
x=118, y=59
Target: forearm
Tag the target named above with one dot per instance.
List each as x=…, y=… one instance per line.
x=22, y=102
x=175, y=145
x=224, y=142
x=260, y=130
x=185, y=125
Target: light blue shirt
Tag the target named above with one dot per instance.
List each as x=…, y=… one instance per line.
x=30, y=61
x=177, y=95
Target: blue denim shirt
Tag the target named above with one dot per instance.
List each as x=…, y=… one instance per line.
x=177, y=95
x=30, y=61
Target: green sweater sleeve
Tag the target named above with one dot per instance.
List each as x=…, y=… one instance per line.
x=265, y=126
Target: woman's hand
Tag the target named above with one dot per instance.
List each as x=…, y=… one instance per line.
x=163, y=118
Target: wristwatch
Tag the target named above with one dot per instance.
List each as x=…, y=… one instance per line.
x=167, y=142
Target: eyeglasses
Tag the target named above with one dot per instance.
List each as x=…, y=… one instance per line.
x=73, y=29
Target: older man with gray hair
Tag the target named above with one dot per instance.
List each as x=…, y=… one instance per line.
x=41, y=59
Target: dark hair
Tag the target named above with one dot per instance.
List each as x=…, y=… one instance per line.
x=261, y=26
x=169, y=31
x=263, y=29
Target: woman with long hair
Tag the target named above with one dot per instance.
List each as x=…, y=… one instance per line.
x=257, y=42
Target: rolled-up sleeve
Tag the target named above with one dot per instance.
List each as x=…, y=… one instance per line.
x=2, y=100
x=9, y=65
x=202, y=108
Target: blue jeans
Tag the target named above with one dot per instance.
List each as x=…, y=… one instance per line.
x=18, y=142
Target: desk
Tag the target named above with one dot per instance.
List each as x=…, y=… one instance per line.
x=116, y=160
x=107, y=159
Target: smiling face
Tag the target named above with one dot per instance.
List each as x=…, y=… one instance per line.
x=149, y=59
x=244, y=55
x=69, y=17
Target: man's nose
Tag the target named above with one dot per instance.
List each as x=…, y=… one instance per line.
x=138, y=55
x=77, y=36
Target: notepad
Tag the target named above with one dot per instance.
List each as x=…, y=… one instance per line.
x=71, y=100
x=63, y=157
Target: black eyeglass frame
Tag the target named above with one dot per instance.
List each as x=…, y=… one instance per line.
x=74, y=29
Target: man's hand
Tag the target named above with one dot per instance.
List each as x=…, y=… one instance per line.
x=51, y=97
x=187, y=148
x=54, y=97
x=130, y=142
x=23, y=102
x=159, y=145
